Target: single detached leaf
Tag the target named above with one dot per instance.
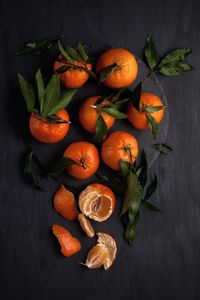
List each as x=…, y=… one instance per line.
x=152, y=108
x=114, y=113
x=151, y=188
x=162, y=148
x=73, y=53
x=133, y=195
x=151, y=207
x=153, y=125
x=36, y=47
x=64, y=53
x=51, y=96
x=177, y=55
x=175, y=68
x=125, y=167
x=28, y=172
x=105, y=72
x=60, y=166
x=150, y=53
x=40, y=85
x=27, y=93
x=101, y=130
x=63, y=101
x=136, y=96
x=82, y=52
x=142, y=170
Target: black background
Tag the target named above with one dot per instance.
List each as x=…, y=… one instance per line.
x=164, y=261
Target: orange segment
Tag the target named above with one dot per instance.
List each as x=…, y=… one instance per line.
x=85, y=225
x=97, y=202
x=65, y=203
x=69, y=244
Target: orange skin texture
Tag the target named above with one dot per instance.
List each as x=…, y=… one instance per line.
x=127, y=69
x=49, y=133
x=138, y=118
x=88, y=115
x=65, y=203
x=83, y=153
x=69, y=244
x=104, y=191
x=73, y=78
x=114, y=149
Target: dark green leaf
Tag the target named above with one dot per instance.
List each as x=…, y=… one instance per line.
x=64, y=53
x=82, y=52
x=60, y=166
x=114, y=113
x=100, y=100
x=130, y=230
x=101, y=130
x=40, y=85
x=64, y=100
x=151, y=188
x=51, y=97
x=105, y=72
x=115, y=97
x=162, y=148
x=151, y=207
x=133, y=195
x=54, y=119
x=28, y=172
x=36, y=47
x=119, y=104
x=136, y=96
x=125, y=167
x=27, y=93
x=175, y=56
x=92, y=74
x=73, y=53
x=175, y=68
x=152, y=108
x=150, y=53
x=142, y=170
x=153, y=125
x=63, y=69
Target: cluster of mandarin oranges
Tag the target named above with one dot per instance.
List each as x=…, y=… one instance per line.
x=96, y=201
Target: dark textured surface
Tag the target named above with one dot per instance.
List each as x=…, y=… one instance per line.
x=163, y=263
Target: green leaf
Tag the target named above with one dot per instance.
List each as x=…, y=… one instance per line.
x=73, y=53
x=40, y=85
x=133, y=195
x=92, y=74
x=151, y=188
x=151, y=207
x=105, y=72
x=130, y=230
x=119, y=104
x=101, y=130
x=63, y=101
x=82, y=52
x=36, y=47
x=60, y=166
x=142, y=170
x=27, y=93
x=150, y=53
x=51, y=97
x=125, y=167
x=63, y=69
x=162, y=148
x=175, y=68
x=28, y=172
x=136, y=96
x=175, y=56
x=64, y=53
x=114, y=113
x=153, y=125
x=152, y=108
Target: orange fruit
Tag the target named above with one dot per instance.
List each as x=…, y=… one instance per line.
x=86, y=225
x=86, y=157
x=48, y=133
x=104, y=253
x=119, y=145
x=69, y=244
x=72, y=78
x=126, y=69
x=88, y=115
x=138, y=118
x=65, y=203
x=97, y=202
